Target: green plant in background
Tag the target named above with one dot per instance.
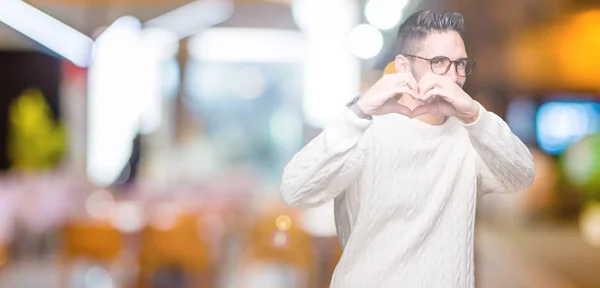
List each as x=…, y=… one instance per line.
x=581, y=166
x=35, y=140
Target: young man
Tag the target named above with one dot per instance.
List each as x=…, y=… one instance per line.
x=406, y=164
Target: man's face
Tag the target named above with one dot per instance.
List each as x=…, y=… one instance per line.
x=448, y=44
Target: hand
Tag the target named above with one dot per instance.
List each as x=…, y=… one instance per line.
x=442, y=96
x=381, y=99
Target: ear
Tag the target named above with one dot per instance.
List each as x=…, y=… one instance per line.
x=402, y=64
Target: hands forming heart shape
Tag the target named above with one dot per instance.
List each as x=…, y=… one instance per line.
x=438, y=95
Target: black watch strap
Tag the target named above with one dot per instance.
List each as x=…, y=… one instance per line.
x=356, y=110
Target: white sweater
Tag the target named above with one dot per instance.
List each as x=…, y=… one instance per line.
x=405, y=194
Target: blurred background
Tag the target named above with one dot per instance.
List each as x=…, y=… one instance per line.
x=142, y=141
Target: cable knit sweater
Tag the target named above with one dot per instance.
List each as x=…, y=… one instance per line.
x=405, y=193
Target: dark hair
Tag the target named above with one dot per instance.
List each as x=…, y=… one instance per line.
x=420, y=24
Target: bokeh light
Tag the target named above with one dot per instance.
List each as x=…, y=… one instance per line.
x=98, y=277
x=384, y=14
x=560, y=124
x=283, y=222
x=164, y=216
x=581, y=163
x=100, y=205
x=365, y=41
x=128, y=217
x=590, y=224
x=280, y=239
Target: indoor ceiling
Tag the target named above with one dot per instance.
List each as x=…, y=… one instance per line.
x=87, y=16
x=84, y=18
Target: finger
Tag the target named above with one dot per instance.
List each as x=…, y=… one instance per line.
x=401, y=109
x=392, y=106
x=405, y=79
x=406, y=90
x=411, y=82
x=430, y=95
x=425, y=85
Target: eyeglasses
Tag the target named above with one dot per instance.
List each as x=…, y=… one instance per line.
x=441, y=64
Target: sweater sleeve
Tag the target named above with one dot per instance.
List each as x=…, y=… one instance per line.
x=328, y=165
x=504, y=163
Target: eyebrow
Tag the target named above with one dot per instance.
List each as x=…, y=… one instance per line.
x=459, y=58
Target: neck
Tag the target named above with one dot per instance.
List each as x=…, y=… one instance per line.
x=427, y=118
x=431, y=119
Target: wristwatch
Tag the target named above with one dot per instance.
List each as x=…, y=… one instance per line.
x=352, y=105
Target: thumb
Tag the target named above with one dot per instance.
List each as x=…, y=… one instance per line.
x=395, y=107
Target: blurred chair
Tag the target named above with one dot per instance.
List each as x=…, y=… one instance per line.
x=95, y=241
x=179, y=247
x=390, y=68
x=291, y=249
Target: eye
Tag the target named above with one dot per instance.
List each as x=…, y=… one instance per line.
x=439, y=60
x=461, y=64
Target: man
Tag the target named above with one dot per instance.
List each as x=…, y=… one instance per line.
x=406, y=164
